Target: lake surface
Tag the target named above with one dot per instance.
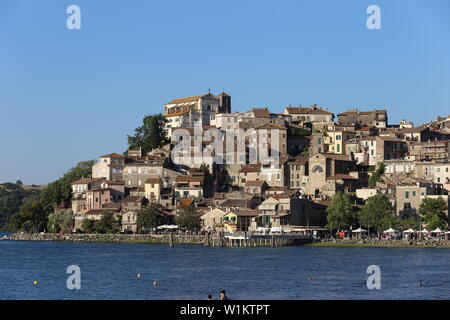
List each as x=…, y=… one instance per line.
x=109, y=271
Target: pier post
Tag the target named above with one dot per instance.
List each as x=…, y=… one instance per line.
x=171, y=239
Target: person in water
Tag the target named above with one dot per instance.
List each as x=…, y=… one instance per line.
x=209, y=297
x=223, y=295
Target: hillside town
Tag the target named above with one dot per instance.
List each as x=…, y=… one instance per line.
x=282, y=175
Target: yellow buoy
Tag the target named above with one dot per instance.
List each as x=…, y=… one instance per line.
x=155, y=283
x=138, y=275
x=35, y=282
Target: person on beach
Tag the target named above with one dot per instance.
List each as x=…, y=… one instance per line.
x=223, y=295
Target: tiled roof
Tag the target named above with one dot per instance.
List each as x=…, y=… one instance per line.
x=113, y=155
x=342, y=177
x=187, y=99
x=87, y=180
x=254, y=183
x=251, y=168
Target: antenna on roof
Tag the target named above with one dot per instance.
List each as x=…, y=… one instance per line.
x=209, y=90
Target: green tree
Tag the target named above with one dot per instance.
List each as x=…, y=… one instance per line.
x=340, y=213
x=107, y=223
x=412, y=222
x=60, y=220
x=187, y=218
x=432, y=211
x=31, y=217
x=376, y=176
x=11, y=200
x=223, y=179
x=152, y=134
x=150, y=217
x=88, y=225
x=378, y=213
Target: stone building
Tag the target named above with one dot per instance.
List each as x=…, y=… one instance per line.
x=356, y=118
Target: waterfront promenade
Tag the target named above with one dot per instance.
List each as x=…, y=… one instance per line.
x=216, y=240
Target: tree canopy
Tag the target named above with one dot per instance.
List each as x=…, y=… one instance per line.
x=150, y=217
x=151, y=135
x=187, y=218
x=376, y=175
x=433, y=212
x=340, y=213
x=378, y=213
x=56, y=195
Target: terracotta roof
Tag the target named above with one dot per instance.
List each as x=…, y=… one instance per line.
x=87, y=180
x=310, y=110
x=114, y=183
x=342, y=177
x=223, y=94
x=357, y=112
x=134, y=199
x=254, y=183
x=153, y=180
x=251, y=168
x=113, y=155
x=261, y=112
x=187, y=99
x=185, y=203
x=270, y=126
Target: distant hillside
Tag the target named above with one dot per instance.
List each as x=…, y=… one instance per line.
x=12, y=196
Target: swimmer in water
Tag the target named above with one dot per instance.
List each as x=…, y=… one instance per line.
x=155, y=283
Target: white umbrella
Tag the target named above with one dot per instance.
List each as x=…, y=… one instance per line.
x=409, y=231
x=424, y=231
x=390, y=230
x=276, y=229
x=359, y=230
x=448, y=232
x=436, y=231
x=168, y=226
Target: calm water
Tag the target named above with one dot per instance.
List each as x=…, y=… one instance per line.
x=108, y=271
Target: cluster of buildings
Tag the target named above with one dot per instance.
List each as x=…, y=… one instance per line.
x=310, y=155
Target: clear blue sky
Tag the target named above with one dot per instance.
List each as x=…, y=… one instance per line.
x=72, y=95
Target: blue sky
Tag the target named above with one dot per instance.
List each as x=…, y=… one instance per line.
x=72, y=95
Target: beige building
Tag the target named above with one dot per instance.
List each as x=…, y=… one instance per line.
x=153, y=187
x=136, y=173
x=298, y=173
x=409, y=195
x=355, y=117
x=327, y=169
x=129, y=221
x=213, y=220
x=109, y=167
x=311, y=114
x=195, y=110
x=382, y=148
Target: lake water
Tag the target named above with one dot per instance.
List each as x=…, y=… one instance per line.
x=109, y=271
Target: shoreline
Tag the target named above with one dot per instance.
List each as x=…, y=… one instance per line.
x=442, y=244
x=204, y=240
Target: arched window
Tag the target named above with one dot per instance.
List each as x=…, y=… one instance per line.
x=317, y=168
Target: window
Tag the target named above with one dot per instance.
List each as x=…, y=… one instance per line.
x=407, y=194
x=338, y=137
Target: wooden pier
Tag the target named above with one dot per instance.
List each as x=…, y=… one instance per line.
x=255, y=240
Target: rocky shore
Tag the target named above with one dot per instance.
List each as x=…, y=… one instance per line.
x=202, y=240
x=382, y=243
x=149, y=238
